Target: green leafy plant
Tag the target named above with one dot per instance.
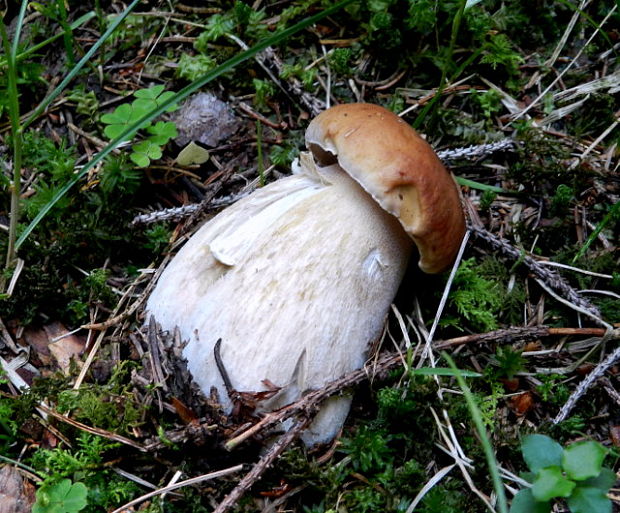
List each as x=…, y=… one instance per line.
x=475, y=297
x=61, y=497
x=161, y=108
x=127, y=114
x=510, y=361
x=553, y=389
x=192, y=67
x=8, y=425
x=561, y=200
x=575, y=473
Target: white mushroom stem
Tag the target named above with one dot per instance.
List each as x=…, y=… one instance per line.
x=296, y=279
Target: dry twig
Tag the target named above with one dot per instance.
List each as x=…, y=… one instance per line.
x=594, y=375
x=548, y=276
x=257, y=471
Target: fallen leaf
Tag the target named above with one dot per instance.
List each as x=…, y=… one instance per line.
x=16, y=494
x=522, y=403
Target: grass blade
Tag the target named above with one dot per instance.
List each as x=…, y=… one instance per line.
x=13, y=103
x=77, y=23
x=614, y=211
x=442, y=371
x=84, y=60
x=480, y=186
x=482, y=433
x=18, y=28
x=181, y=95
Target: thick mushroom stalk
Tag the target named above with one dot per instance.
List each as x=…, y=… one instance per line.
x=296, y=280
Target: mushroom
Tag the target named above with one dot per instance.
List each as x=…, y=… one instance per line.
x=297, y=278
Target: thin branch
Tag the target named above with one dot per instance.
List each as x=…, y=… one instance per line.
x=263, y=464
x=552, y=279
x=187, y=482
x=594, y=375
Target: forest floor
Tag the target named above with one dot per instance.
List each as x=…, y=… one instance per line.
x=519, y=99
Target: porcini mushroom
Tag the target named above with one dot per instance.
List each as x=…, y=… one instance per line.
x=297, y=278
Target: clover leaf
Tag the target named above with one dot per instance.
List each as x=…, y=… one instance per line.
x=128, y=114
x=524, y=502
x=118, y=121
x=144, y=152
x=575, y=473
x=162, y=132
x=61, y=497
x=151, y=98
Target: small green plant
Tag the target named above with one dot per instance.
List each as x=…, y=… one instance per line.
x=8, y=425
x=575, y=473
x=510, y=362
x=490, y=102
x=486, y=200
x=61, y=497
x=561, y=200
x=340, y=61
x=475, y=297
x=87, y=103
x=552, y=389
x=126, y=114
x=264, y=91
x=488, y=404
x=192, y=67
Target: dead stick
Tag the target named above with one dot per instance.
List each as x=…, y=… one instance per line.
x=554, y=280
x=92, y=430
x=513, y=335
x=263, y=464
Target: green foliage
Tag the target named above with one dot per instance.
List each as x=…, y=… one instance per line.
x=218, y=26
x=43, y=155
x=109, y=406
x=8, y=423
x=283, y=155
x=54, y=464
x=487, y=404
x=85, y=463
x=118, y=177
x=340, y=61
x=192, y=67
x=552, y=389
x=486, y=200
x=489, y=101
x=157, y=237
x=241, y=19
x=87, y=103
x=510, y=362
x=561, y=200
x=127, y=114
x=61, y=497
x=443, y=499
x=369, y=449
x=421, y=16
x=476, y=298
x=498, y=52
x=133, y=30
x=54, y=163
x=264, y=91
x=575, y=473
x=298, y=69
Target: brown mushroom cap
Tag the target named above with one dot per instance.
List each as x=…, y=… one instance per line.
x=399, y=170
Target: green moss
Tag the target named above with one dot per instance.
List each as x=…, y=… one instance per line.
x=476, y=298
